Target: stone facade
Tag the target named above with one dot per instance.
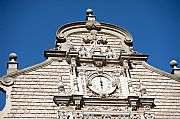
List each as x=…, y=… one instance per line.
x=93, y=72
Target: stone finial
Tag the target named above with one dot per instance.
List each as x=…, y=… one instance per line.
x=91, y=23
x=12, y=65
x=175, y=70
x=173, y=63
x=12, y=57
x=89, y=12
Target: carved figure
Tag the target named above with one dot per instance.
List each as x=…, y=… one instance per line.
x=109, y=52
x=83, y=51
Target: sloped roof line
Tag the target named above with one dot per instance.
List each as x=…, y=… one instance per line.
x=166, y=74
x=31, y=68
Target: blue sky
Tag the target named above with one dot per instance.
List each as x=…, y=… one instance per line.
x=28, y=27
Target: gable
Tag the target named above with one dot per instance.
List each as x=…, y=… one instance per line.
x=93, y=72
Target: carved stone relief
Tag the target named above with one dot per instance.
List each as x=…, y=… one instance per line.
x=109, y=52
x=62, y=114
x=78, y=116
x=87, y=43
x=83, y=51
x=135, y=116
x=93, y=37
x=149, y=115
x=108, y=116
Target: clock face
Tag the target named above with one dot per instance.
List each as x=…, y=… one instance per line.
x=101, y=84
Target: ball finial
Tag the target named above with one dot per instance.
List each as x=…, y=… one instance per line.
x=89, y=12
x=12, y=56
x=173, y=63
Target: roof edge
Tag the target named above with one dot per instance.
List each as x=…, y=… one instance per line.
x=30, y=68
x=161, y=72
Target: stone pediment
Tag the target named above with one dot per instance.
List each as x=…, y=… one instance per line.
x=77, y=35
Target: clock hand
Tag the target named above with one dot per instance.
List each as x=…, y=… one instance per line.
x=101, y=82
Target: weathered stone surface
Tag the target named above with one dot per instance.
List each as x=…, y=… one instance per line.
x=165, y=90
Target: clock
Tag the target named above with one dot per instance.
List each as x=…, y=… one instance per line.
x=101, y=85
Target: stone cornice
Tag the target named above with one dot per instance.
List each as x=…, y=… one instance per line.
x=80, y=101
x=138, y=56
x=166, y=74
x=54, y=53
